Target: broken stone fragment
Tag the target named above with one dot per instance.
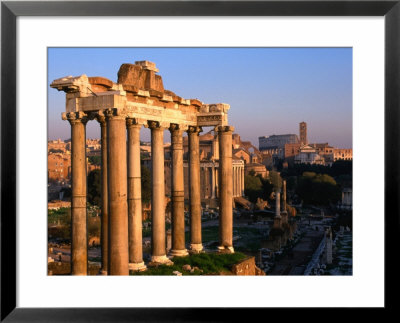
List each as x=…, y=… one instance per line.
x=140, y=76
x=187, y=267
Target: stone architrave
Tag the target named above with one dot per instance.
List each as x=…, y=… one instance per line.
x=177, y=193
x=118, y=258
x=196, y=245
x=134, y=196
x=158, y=252
x=79, y=264
x=225, y=189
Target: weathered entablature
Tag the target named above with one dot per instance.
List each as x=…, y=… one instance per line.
x=140, y=94
x=139, y=99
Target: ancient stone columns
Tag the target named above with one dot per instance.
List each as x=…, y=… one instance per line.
x=284, y=195
x=177, y=193
x=194, y=190
x=121, y=234
x=78, y=200
x=242, y=192
x=225, y=188
x=278, y=202
x=158, y=194
x=213, y=180
x=117, y=194
x=134, y=196
x=104, y=195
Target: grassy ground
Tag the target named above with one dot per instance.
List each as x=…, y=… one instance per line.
x=249, y=239
x=208, y=264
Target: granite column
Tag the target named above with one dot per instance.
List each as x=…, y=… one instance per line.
x=158, y=250
x=134, y=196
x=79, y=264
x=118, y=257
x=225, y=189
x=196, y=245
x=177, y=193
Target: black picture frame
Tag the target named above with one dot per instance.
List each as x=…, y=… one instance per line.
x=10, y=10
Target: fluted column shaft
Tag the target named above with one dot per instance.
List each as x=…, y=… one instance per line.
x=117, y=196
x=79, y=241
x=134, y=197
x=194, y=189
x=225, y=188
x=104, y=196
x=177, y=193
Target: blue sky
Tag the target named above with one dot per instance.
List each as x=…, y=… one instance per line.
x=270, y=90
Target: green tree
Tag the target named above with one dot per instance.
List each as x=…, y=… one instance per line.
x=94, y=187
x=95, y=160
x=318, y=189
x=342, y=167
x=275, y=179
x=291, y=183
x=253, y=187
x=267, y=188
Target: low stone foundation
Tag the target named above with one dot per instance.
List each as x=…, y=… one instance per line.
x=247, y=267
x=64, y=268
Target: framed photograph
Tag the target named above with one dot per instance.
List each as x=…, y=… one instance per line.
x=289, y=76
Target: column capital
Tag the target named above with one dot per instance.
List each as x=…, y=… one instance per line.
x=194, y=129
x=175, y=126
x=75, y=117
x=114, y=113
x=101, y=118
x=157, y=124
x=225, y=128
x=135, y=122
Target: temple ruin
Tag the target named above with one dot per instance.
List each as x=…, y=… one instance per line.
x=139, y=99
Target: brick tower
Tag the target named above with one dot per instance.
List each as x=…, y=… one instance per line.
x=303, y=133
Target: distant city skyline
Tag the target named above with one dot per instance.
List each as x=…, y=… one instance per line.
x=270, y=90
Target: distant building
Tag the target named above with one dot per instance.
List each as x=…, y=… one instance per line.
x=58, y=167
x=258, y=169
x=289, y=149
x=276, y=141
x=342, y=154
x=56, y=146
x=303, y=133
x=275, y=145
x=308, y=155
x=243, y=154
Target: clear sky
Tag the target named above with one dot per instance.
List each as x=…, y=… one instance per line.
x=270, y=90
